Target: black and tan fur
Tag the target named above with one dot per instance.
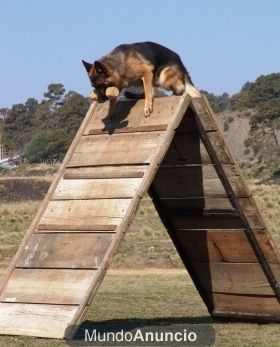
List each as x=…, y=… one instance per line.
x=144, y=64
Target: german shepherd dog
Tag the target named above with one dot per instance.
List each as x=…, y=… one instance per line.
x=144, y=64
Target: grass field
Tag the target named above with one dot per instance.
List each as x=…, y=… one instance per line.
x=147, y=283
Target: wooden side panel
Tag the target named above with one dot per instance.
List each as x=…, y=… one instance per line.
x=62, y=250
x=130, y=114
x=229, y=246
x=136, y=148
x=234, y=278
x=246, y=305
x=197, y=204
x=96, y=188
x=84, y=213
x=35, y=319
x=193, y=181
x=48, y=286
x=184, y=221
x=187, y=149
x=205, y=113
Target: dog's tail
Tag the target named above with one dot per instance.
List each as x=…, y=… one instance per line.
x=189, y=86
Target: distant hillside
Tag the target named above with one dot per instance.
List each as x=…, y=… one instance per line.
x=236, y=128
x=251, y=122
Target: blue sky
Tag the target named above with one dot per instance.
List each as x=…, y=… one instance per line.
x=223, y=43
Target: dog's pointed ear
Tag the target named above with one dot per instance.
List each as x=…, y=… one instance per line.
x=88, y=66
x=100, y=68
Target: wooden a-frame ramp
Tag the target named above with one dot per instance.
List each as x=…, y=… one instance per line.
x=180, y=156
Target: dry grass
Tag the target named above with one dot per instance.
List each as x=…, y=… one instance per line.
x=268, y=199
x=15, y=219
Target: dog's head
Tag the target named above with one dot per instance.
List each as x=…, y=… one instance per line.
x=99, y=75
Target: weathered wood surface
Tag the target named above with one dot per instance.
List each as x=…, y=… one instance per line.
x=35, y=319
x=68, y=228
x=79, y=213
x=220, y=245
x=193, y=181
x=203, y=204
x=185, y=221
x=130, y=114
x=136, y=148
x=266, y=307
x=96, y=188
x=234, y=278
x=103, y=172
x=48, y=286
x=63, y=250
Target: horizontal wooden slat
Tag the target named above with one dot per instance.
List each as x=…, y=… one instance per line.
x=35, y=319
x=145, y=128
x=62, y=250
x=183, y=221
x=85, y=212
x=264, y=306
x=96, y=188
x=218, y=246
x=102, y=172
x=137, y=148
x=234, y=278
x=193, y=181
x=130, y=114
x=43, y=228
x=48, y=286
x=198, y=204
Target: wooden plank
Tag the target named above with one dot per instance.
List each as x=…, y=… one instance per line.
x=220, y=147
x=203, y=205
x=130, y=114
x=193, y=181
x=58, y=228
x=234, y=278
x=255, y=221
x=219, y=245
x=265, y=306
x=81, y=213
x=186, y=149
x=35, y=319
x=206, y=221
x=105, y=172
x=47, y=286
x=136, y=148
x=96, y=188
x=145, y=128
x=205, y=114
x=62, y=250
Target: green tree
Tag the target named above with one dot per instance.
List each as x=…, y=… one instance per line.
x=17, y=126
x=55, y=94
x=47, y=146
x=253, y=94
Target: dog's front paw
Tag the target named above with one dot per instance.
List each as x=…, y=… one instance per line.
x=148, y=109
